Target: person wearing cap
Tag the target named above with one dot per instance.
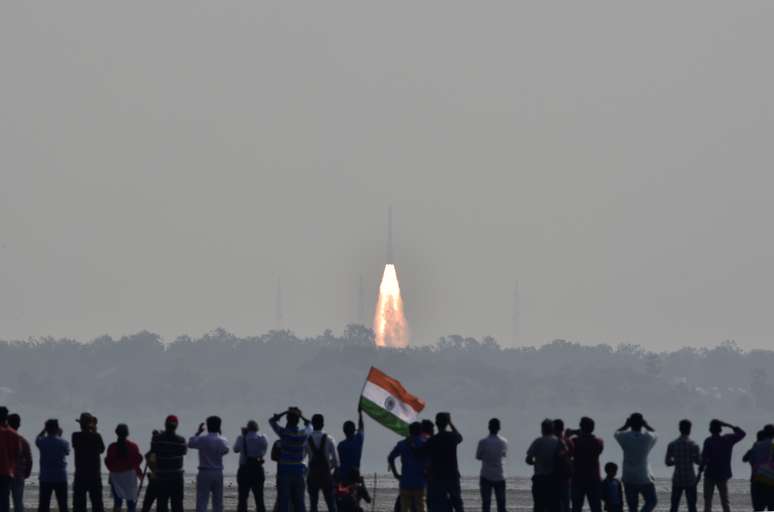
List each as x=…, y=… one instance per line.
x=88, y=448
x=53, y=466
x=10, y=447
x=251, y=447
x=23, y=465
x=209, y=480
x=168, y=453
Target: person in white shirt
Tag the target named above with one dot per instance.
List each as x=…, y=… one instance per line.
x=212, y=447
x=491, y=451
x=251, y=447
x=323, y=461
x=636, y=475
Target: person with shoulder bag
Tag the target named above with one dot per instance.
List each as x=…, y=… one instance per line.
x=251, y=447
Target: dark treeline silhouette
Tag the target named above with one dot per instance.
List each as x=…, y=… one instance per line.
x=139, y=379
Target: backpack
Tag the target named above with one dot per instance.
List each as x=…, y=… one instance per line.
x=319, y=470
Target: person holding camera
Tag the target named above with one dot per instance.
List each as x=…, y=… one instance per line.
x=251, y=447
x=88, y=448
x=443, y=483
x=212, y=446
x=53, y=466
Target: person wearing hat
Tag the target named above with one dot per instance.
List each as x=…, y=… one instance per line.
x=88, y=448
x=53, y=466
x=167, y=453
x=10, y=447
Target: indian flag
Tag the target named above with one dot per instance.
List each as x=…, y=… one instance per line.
x=387, y=401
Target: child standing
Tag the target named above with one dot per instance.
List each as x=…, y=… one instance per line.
x=612, y=490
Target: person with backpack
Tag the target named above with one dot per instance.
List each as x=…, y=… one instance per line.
x=637, y=439
x=251, y=447
x=323, y=463
x=123, y=461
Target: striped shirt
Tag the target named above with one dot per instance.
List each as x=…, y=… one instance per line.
x=292, y=447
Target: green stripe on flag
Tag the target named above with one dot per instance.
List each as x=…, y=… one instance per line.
x=386, y=418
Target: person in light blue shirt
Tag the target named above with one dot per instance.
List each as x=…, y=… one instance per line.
x=53, y=466
x=212, y=447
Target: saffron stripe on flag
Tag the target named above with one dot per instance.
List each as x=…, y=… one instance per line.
x=395, y=388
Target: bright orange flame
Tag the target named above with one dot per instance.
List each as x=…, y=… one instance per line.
x=390, y=324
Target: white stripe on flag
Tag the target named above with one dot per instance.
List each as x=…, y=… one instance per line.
x=378, y=395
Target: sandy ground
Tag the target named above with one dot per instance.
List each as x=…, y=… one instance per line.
x=518, y=497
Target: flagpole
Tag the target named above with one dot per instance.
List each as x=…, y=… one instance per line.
x=363, y=388
x=373, y=498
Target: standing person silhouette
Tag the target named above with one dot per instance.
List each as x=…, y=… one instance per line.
x=761, y=453
x=290, y=466
x=88, y=448
x=443, y=483
x=323, y=463
x=542, y=456
x=123, y=461
x=350, y=449
x=10, y=447
x=586, y=482
x=212, y=446
x=683, y=454
x=167, y=454
x=716, y=462
x=251, y=447
x=23, y=465
x=53, y=466
x=563, y=470
x=412, y=471
x=491, y=451
x=636, y=475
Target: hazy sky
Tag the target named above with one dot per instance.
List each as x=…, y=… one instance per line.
x=164, y=163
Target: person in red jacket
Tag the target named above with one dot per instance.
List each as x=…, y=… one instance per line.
x=10, y=447
x=23, y=465
x=123, y=461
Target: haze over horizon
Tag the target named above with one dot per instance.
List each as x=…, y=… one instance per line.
x=164, y=164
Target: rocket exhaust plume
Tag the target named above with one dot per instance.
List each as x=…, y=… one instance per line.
x=390, y=325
